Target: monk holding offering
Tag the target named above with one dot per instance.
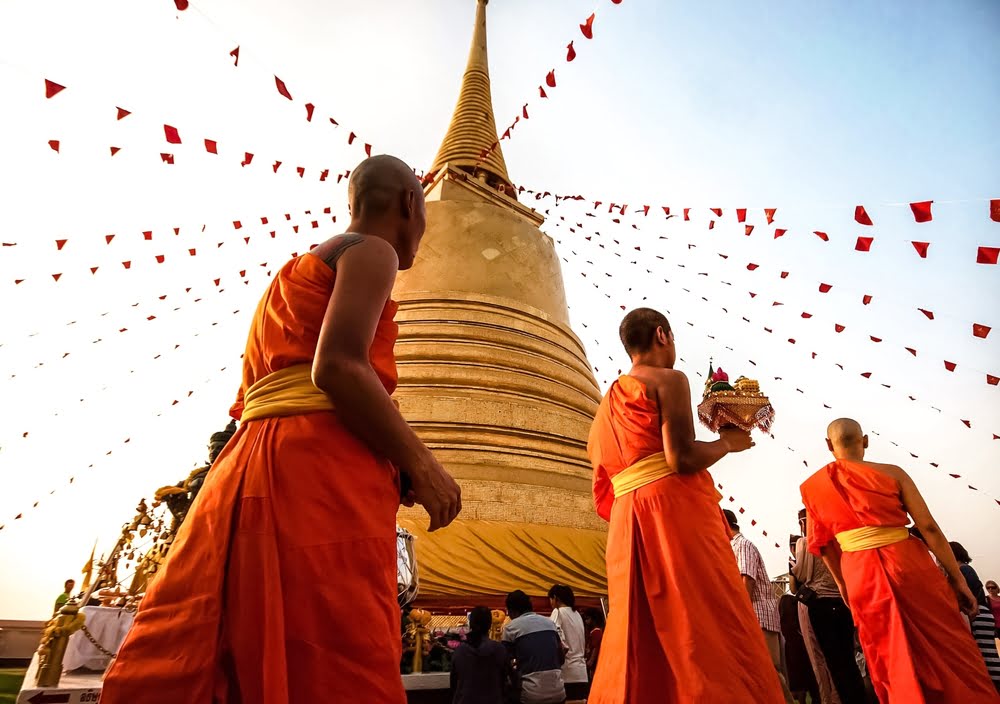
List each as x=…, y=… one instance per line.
x=918, y=646
x=281, y=585
x=680, y=626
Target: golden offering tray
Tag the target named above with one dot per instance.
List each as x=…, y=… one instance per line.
x=745, y=410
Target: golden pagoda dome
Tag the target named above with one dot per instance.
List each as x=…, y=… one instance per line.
x=493, y=379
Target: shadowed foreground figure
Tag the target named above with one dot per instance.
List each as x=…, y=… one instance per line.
x=281, y=585
x=680, y=626
x=918, y=648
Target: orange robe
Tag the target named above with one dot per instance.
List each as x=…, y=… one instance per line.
x=918, y=648
x=281, y=584
x=680, y=626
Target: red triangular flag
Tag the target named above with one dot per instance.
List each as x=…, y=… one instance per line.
x=687, y=213
x=541, y=92
x=822, y=235
x=323, y=174
x=666, y=210
x=825, y=288
x=911, y=351
x=309, y=111
x=235, y=53
x=127, y=265
x=181, y=5
x=160, y=258
x=861, y=215
x=122, y=113
x=749, y=229
x=108, y=238
x=301, y=171
x=115, y=150
x=62, y=243
x=147, y=235
x=51, y=88
x=769, y=214
x=741, y=215
x=981, y=330
x=784, y=274
x=875, y=339
x=922, y=211
x=950, y=366
x=866, y=299
x=867, y=375
x=54, y=145
x=237, y=224
x=779, y=233
x=711, y=224
x=167, y=158
x=838, y=327
x=550, y=79
x=588, y=27
x=987, y=255
x=281, y=87
x=351, y=137
x=752, y=267
x=193, y=252
x=570, y=52
x=864, y=244
x=211, y=146
x=717, y=211
x=93, y=269
x=806, y=315
x=368, y=149
x=173, y=137
x=921, y=248
x=992, y=381
x=247, y=158
x=56, y=276
x=928, y=313
x=524, y=111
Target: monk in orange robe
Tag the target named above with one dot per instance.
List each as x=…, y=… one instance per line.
x=918, y=647
x=680, y=627
x=281, y=585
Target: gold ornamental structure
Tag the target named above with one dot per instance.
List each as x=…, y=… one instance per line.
x=493, y=379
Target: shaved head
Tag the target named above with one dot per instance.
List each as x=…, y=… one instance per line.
x=377, y=185
x=387, y=200
x=638, y=329
x=846, y=439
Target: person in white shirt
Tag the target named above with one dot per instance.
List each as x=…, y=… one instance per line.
x=569, y=623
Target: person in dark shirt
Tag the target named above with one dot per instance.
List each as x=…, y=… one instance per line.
x=478, y=666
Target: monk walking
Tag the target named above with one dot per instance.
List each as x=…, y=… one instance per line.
x=281, y=585
x=680, y=627
x=918, y=647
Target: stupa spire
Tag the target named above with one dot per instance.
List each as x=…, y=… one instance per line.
x=473, y=128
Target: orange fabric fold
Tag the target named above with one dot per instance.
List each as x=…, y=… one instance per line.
x=918, y=648
x=281, y=584
x=680, y=626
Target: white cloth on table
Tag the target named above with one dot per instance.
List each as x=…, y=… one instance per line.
x=108, y=626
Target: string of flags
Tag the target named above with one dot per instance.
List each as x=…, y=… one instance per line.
x=985, y=254
x=978, y=330
x=309, y=108
x=548, y=83
x=160, y=258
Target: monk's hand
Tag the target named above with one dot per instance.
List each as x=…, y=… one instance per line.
x=966, y=601
x=436, y=491
x=736, y=439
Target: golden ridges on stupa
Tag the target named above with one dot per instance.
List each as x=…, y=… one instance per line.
x=492, y=377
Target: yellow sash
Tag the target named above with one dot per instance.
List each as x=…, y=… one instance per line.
x=645, y=471
x=286, y=392
x=871, y=537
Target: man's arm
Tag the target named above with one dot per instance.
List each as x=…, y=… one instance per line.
x=748, y=584
x=915, y=505
x=682, y=451
x=341, y=368
x=831, y=558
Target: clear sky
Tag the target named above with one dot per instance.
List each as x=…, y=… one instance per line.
x=807, y=108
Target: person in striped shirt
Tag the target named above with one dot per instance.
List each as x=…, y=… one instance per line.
x=762, y=596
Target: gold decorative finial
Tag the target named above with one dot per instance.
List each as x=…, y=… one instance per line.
x=473, y=129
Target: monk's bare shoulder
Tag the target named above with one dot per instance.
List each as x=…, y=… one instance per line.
x=371, y=249
x=662, y=383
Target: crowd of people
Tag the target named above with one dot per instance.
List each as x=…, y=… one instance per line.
x=309, y=486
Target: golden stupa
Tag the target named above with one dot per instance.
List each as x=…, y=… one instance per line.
x=492, y=377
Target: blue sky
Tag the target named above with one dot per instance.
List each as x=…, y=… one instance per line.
x=804, y=107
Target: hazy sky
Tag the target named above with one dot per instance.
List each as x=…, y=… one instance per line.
x=808, y=109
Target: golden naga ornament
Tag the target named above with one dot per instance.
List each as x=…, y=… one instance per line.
x=419, y=619
x=740, y=404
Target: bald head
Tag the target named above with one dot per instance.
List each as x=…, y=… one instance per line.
x=378, y=184
x=846, y=440
x=387, y=201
